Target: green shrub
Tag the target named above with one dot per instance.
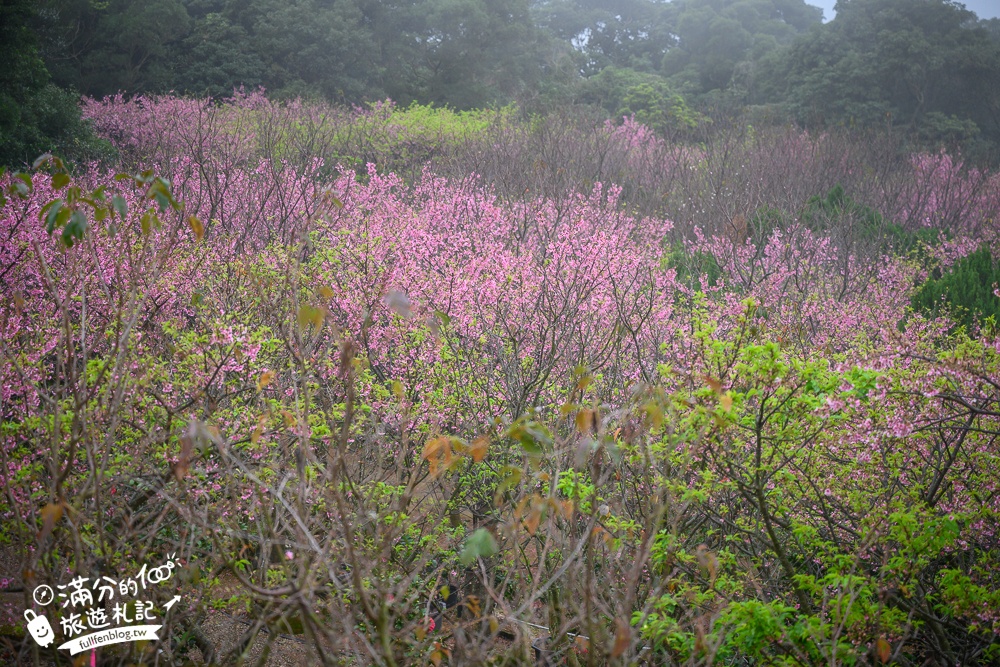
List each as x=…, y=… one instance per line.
x=966, y=291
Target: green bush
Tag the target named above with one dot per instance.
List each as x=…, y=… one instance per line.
x=867, y=225
x=966, y=291
x=36, y=116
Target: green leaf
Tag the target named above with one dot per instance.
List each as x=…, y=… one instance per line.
x=53, y=216
x=23, y=184
x=145, y=223
x=534, y=437
x=310, y=316
x=40, y=160
x=60, y=180
x=480, y=544
x=511, y=478
x=120, y=206
x=161, y=200
x=76, y=228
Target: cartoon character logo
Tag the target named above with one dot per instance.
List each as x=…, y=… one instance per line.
x=39, y=628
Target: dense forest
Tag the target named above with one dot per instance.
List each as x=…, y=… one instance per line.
x=499, y=333
x=928, y=68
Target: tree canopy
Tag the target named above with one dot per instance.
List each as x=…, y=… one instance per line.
x=928, y=67
x=925, y=65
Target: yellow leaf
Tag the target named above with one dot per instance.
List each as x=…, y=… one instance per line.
x=623, y=637
x=494, y=625
x=436, y=657
x=199, y=229
x=708, y=561
x=472, y=604
x=521, y=505
x=884, y=649
x=531, y=523
x=184, y=460
x=584, y=420
x=713, y=383
x=433, y=447
x=479, y=448
x=653, y=413
x=438, y=454
x=255, y=435
x=726, y=401
x=289, y=418
x=311, y=316
x=265, y=379
x=326, y=292
x=51, y=514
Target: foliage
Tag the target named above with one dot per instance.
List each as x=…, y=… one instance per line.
x=965, y=291
x=646, y=97
x=35, y=115
x=918, y=65
x=925, y=68
x=720, y=42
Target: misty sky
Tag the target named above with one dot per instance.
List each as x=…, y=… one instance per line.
x=985, y=9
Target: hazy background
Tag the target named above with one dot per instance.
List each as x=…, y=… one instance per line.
x=921, y=66
x=985, y=9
